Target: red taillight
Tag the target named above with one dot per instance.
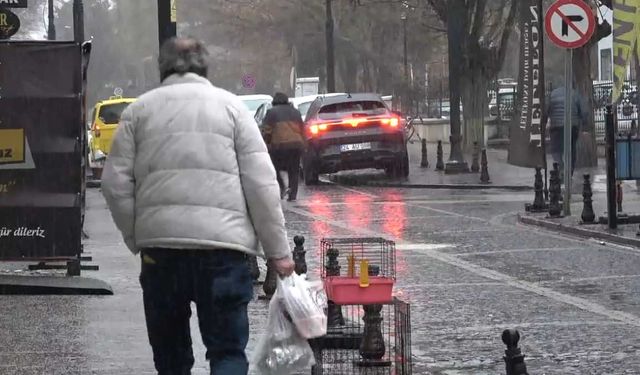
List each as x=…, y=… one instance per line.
x=316, y=127
x=393, y=122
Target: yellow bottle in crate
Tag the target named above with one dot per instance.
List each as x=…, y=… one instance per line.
x=364, y=273
x=351, y=271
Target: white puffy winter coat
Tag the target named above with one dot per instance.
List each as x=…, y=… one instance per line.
x=188, y=169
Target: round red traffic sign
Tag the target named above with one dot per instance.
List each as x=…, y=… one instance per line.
x=570, y=23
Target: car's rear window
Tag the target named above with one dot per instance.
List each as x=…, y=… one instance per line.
x=110, y=113
x=366, y=107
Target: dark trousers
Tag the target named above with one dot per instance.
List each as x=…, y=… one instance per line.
x=219, y=283
x=289, y=161
x=556, y=146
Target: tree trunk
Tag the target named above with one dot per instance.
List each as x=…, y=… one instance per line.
x=586, y=155
x=455, y=33
x=474, y=99
x=349, y=72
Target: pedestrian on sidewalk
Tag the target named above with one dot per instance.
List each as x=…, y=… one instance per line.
x=284, y=135
x=554, y=112
x=191, y=187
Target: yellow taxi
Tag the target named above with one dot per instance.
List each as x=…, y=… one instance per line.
x=104, y=122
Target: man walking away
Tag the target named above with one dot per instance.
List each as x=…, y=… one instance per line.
x=191, y=187
x=555, y=107
x=284, y=134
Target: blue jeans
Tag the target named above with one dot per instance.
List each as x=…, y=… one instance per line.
x=219, y=283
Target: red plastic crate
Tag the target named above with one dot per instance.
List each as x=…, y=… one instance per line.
x=347, y=290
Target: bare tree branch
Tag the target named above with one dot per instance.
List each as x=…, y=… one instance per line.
x=502, y=48
x=478, y=18
x=440, y=7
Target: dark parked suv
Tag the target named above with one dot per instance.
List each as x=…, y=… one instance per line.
x=355, y=131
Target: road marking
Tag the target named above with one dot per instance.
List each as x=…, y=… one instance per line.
x=499, y=327
x=453, y=260
x=467, y=254
x=448, y=285
x=595, y=278
x=356, y=191
x=422, y=246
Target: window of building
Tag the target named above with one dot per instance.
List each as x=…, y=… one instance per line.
x=606, y=68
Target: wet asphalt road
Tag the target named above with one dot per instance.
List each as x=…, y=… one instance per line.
x=467, y=268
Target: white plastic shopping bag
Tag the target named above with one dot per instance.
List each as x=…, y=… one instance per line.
x=281, y=350
x=305, y=302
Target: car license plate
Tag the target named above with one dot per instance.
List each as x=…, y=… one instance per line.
x=355, y=147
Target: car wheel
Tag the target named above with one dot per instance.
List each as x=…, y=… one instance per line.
x=405, y=166
x=310, y=174
x=399, y=169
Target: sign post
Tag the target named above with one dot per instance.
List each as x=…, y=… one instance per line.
x=567, y=160
x=167, y=20
x=569, y=24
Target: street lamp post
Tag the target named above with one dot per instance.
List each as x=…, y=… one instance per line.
x=406, y=59
x=406, y=102
x=455, y=33
x=331, y=70
x=167, y=20
x=51, y=30
x=78, y=21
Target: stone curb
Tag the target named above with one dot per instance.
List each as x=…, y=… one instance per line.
x=351, y=181
x=450, y=186
x=53, y=285
x=576, y=231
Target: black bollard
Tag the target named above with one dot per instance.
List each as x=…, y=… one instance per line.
x=424, y=163
x=539, y=204
x=440, y=156
x=270, y=283
x=372, y=347
x=555, y=210
x=588, y=216
x=334, y=312
x=253, y=268
x=475, y=164
x=513, y=357
x=619, y=196
x=484, y=173
x=299, y=255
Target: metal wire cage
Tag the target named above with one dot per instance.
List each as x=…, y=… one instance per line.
x=365, y=339
x=347, y=254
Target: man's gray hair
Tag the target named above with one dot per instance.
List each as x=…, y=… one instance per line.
x=181, y=56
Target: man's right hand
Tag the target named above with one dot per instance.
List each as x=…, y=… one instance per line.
x=284, y=267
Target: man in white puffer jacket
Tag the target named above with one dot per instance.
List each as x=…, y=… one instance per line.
x=191, y=187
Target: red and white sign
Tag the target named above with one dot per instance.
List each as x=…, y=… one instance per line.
x=570, y=23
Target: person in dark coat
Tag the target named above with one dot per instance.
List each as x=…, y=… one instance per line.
x=284, y=136
x=555, y=107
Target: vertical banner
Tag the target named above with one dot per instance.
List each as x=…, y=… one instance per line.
x=626, y=26
x=526, y=147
